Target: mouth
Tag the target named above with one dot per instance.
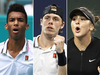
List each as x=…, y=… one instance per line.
x=77, y=29
x=15, y=30
x=49, y=28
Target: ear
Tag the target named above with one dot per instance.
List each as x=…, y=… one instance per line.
x=91, y=27
x=6, y=26
x=62, y=25
x=41, y=22
x=27, y=26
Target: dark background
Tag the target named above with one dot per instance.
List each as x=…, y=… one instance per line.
x=92, y=5
x=39, y=6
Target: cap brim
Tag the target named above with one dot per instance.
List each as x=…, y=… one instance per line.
x=78, y=10
x=84, y=12
x=73, y=12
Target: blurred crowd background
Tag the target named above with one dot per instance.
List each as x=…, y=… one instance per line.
x=4, y=4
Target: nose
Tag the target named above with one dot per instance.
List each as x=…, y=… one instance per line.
x=77, y=21
x=16, y=23
x=51, y=22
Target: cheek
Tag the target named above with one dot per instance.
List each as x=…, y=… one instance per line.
x=57, y=26
x=44, y=22
x=22, y=30
x=72, y=26
x=9, y=27
x=85, y=26
x=24, y=27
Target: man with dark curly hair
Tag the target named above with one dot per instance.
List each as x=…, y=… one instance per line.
x=16, y=56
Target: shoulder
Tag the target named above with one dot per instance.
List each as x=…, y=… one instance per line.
x=35, y=38
x=70, y=41
x=30, y=42
x=95, y=40
x=65, y=48
x=30, y=47
x=1, y=45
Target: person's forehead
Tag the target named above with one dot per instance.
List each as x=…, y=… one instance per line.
x=14, y=13
x=52, y=15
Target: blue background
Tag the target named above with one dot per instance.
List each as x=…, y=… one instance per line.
x=4, y=33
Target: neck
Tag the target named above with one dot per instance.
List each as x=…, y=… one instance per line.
x=16, y=45
x=82, y=42
x=45, y=41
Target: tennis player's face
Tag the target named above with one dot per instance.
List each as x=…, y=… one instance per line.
x=16, y=25
x=51, y=23
x=81, y=26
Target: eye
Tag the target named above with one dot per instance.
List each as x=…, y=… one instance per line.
x=73, y=19
x=21, y=19
x=47, y=18
x=56, y=19
x=83, y=18
x=11, y=20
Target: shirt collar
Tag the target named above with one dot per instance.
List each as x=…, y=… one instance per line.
x=4, y=50
x=36, y=45
x=25, y=48
x=53, y=47
x=36, y=41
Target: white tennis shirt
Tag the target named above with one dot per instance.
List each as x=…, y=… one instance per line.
x=22, y=64
x=45, y=61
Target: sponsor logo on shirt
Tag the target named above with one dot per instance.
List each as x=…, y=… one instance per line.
x=54, y=55
x=91, y=60
x=26, y=58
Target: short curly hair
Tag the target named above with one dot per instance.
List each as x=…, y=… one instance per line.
x=17, y=8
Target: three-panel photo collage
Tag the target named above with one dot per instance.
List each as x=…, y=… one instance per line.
x=49, y=37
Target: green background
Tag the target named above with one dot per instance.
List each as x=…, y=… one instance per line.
x=92, y=5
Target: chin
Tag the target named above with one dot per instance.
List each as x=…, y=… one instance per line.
x=78, y=35
x=50, y=35
x=15, y=37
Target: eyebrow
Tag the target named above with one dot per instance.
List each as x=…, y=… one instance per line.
x=53, y=16
x=14, y=18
